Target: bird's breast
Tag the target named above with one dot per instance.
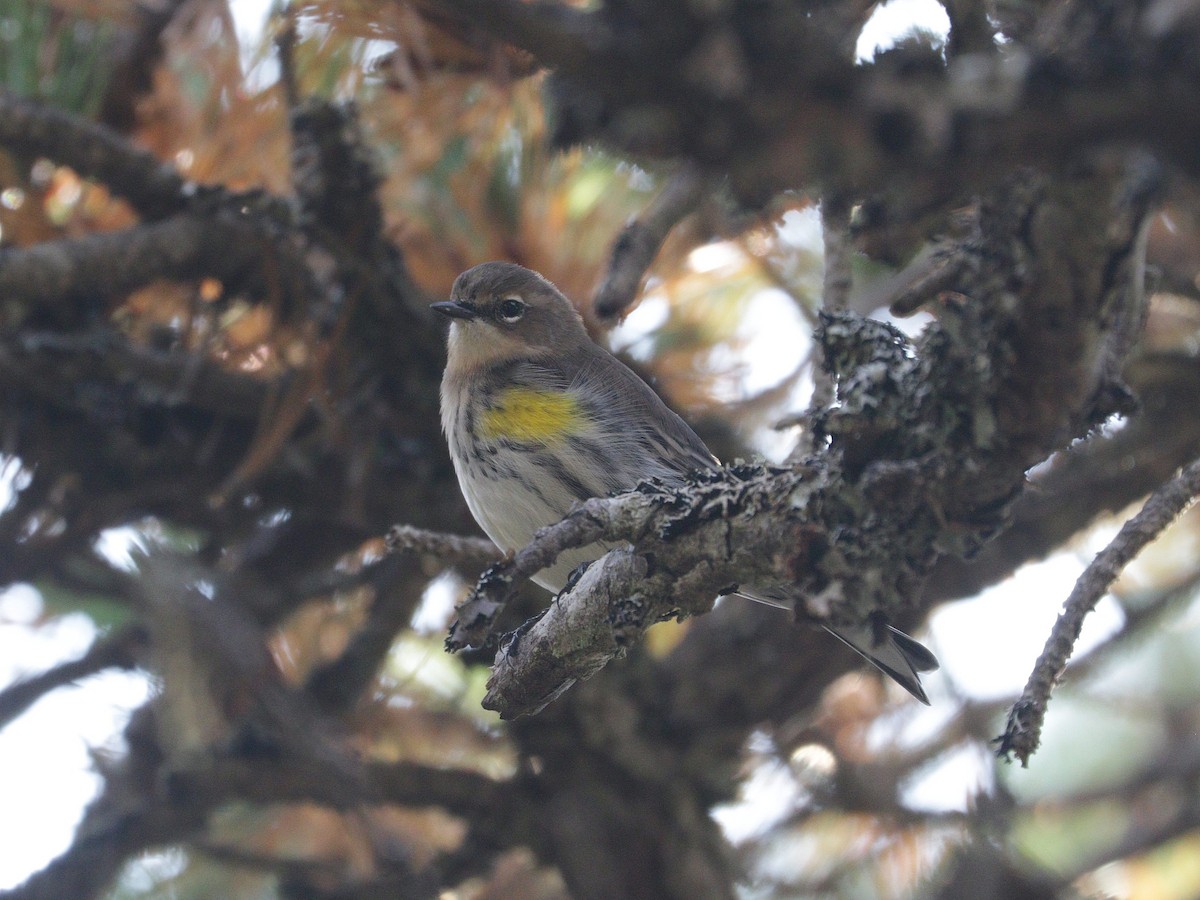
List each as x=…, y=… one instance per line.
x=528, y=415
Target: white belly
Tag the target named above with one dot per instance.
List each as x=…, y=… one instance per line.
x=511, y=516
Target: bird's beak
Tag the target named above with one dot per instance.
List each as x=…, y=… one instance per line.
x=454, y=309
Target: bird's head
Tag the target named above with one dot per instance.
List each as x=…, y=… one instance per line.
x=500, y=311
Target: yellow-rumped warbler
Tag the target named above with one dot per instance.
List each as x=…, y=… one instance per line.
x=538, y=416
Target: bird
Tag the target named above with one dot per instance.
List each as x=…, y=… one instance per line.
x=539, y=417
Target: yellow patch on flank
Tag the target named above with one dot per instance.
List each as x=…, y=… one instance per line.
x=531, y=416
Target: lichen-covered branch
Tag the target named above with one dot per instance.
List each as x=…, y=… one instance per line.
x=1103, y=474
x=925, y=450
x=1023, y=731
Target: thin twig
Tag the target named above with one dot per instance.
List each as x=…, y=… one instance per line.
x=639, y=242
x=922, y=280
x=285, y=47
x=118, y=651
x=559, y=35
x=835, y=234
x=835, y=298
x=335, y=685
x=1023, y=732
x=451, y=548
x=476, y=616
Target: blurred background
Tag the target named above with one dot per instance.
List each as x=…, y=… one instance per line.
x=722, y=329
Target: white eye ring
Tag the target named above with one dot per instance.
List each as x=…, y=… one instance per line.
x=510, y=309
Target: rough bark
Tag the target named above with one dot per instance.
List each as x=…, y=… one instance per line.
x=920, y=461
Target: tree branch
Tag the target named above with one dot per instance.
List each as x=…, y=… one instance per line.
x=53, y=365
x=1103, y=474
x=639, y=242
x=939, y=129
x=559, y=35
x=337, y=684
x=153, y=188
x=836, y=282
x=117, y=651
x=1023, y=731
x=60, y=274
x=452, y=548
x=909, y=469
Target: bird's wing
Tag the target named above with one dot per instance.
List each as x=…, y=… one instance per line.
x=628, y=434
x=634, y=416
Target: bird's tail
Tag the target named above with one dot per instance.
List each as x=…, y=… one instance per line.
x=892, y=652
x=888, y=649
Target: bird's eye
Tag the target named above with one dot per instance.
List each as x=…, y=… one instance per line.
x=510, y=309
